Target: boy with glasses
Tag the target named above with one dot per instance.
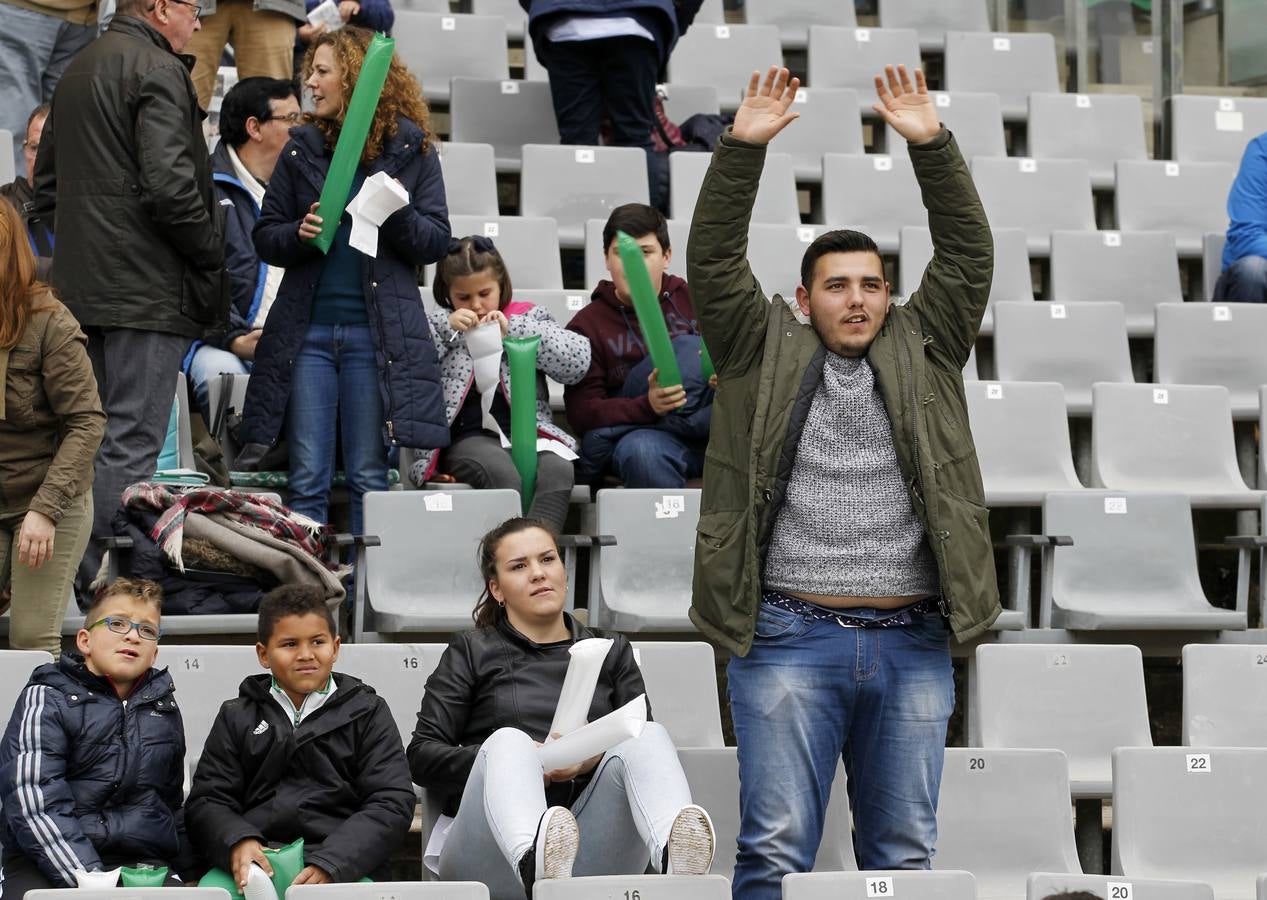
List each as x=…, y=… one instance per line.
x=92, y=763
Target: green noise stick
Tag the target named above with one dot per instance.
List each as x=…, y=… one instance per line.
x=521, y=356
x=647, y=307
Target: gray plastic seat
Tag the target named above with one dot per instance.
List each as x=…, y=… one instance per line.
x=1040, y=196
x=712, y=12
x=1186, y=199
x=1214, y=343
x=530, y=246
x=1022, y=437
x=661, y=887
x=933, y=18
x=909, y=885
x=428, y=6
x=794, y=17
x=643, y=583
x=681, y=682
x=510, y=10
x=437, y=48
x=506, y=114
x=1183, y=813
x=1011, y=283
x=1224, y=695
x=830, y=122
x=8, y=163
x=205, y=677
x=1085, y=700
x=1149, y=437
x=1075, y=344
x=571, y=184
x=596, y=266
x=681, y=101
x=16, y=667
x=396, y=672
x=1132, y=566
x=1100, y=128
x=1014, y=65
x=561, y=304
x=713, y=775
x=878, y=193
x=470, y=179
x=776, y=194
x=975, y=119
x=852, y=57
x=387, y=890
x=161, y=893
x=1043, y=884
x=1212, y=244
x=1215, y=129
x=1003, y=814
x=721, y=56
x=1138, y=269
x=774, y=253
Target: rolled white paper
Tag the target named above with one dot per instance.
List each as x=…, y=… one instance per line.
x=258, y=885
x=379, y=197
x=584, y=666
x=596, y=737
x=484, y=343
x=96, y=880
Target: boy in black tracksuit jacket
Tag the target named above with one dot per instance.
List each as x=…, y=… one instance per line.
x=303, y=752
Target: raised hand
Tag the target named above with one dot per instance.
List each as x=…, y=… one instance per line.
x=906, y=107
x=763, y=113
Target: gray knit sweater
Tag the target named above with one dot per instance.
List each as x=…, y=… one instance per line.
x=847, y=527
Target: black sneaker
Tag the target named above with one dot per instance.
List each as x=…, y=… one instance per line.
x=553, y=851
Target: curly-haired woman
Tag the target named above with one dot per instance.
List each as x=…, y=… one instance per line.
x=347, y=340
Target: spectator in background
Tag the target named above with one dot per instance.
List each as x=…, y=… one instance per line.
x=21, y=194
x=261, y=32
x=255, y=123
x=141, y=265
x=648, y=436
x=376, y=15
x=1244, y=275
x=50, y=427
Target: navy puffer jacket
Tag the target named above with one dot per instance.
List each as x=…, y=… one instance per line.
x=409, y=374
x=90, y=781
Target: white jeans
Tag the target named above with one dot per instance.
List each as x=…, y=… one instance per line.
x=624, y=814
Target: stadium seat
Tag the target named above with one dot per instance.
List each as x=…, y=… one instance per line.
x=933, y=18
x=643, y=582
x=596, y=267
x=681, y=682
x=853, y=57
x=1043, y=884
x=387, y=890
x=1003, y=814
x=470, y=179
x=561, y=304
x=794, y=17
x=205, y=677
x=976, y=120
x=908, y=885
x=529, y=246
x=8, y=164
x=1040, y=196
x=1186, y=199
x=875, y=193
x=396, y=672
x=1100, y=128
x=829, y=123
x=184, y=432
x=427, y=6
x=1075, y=344
x=617, y=887
x=1012, y=65
x=533, y=69
x=681, y=101
x=572, y=184
x=1224, y=695
x=1212, y=244
x=1149, y=437
x=721, y=56
x=437, y=48
x=1132, y=566
x=970, y=367
x=16, y=667
x=1011, y=282
x=774, y=253
x=1022, y=438
x=776, y=194
x=1180, y=812
x=160, y=893
x=1138, y=269
x=1215, y=129
x=510, y=10
x=1081, y=699
x=1214, y=343
x=506, y=114
x=713, y=775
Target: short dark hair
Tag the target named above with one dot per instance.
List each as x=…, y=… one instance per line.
x=41, y=110
x=292, y=600
x=1073, y=895
x=249, y=98
x=468, y=259
x=136, y=588
x=635, y=220
x=841, y=240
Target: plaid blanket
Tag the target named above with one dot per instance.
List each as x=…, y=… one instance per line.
x=255, y=510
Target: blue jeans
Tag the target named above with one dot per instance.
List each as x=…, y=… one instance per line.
x=210, y=363
x=335, y=379
x=809, y=692
x=1244, y=280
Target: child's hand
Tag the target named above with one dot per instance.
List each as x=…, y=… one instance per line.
x=244, y=853
x=310, y=227
x=497, y=316
x=463, y=319
x=664, y=400
x=712, y=381
x=312, y=875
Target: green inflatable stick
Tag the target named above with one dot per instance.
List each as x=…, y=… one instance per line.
x=650, y=316
x=521, y=354
x=142, y=876
x=356, y=126
x=706, y=368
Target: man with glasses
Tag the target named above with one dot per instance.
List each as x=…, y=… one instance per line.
x=20, y=193
x=124, y=178
x=255, y=122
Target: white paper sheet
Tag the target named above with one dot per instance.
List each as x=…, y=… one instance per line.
x=97, y=880
x=584, y=666
x=379, y=197
x=596, y=737
x=327, y=14
x=484, y=343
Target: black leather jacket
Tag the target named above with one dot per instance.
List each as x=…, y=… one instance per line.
x=494, y=677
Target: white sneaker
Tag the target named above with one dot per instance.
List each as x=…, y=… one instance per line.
x=554, y=849
x=691, y=843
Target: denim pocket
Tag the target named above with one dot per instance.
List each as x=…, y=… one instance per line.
x=773, y=622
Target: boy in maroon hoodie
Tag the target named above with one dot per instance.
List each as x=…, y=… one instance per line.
x=648, y=436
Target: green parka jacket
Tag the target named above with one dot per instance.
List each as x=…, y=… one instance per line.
x=769, y=366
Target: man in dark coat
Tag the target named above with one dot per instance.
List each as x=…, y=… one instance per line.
x=20, y=193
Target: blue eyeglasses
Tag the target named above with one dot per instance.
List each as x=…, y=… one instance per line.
x=120, y=625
